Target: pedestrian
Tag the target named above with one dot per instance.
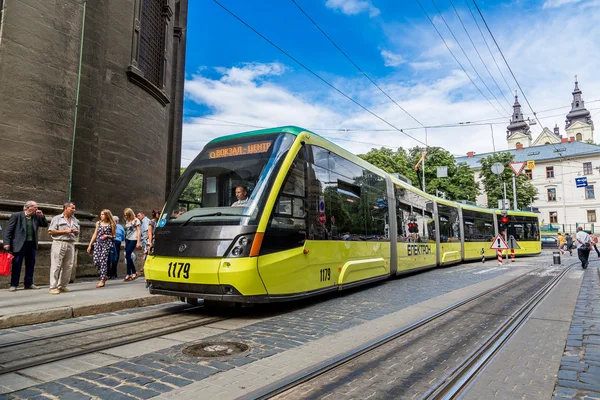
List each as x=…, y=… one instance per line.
x=133, y=237
x=102, y=240
x=63, y=229
x=569, y=243
x=21, y=238
x=594, y=243
x=115, y=250
x=152, y=230
x=145, y=221
x=583, y=247
x=561, y=242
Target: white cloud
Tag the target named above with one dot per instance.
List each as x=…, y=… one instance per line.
x=353, y=7
x=558, y=3
x=392, y=59
x=422, y=65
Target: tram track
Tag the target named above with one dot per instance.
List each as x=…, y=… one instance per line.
x=299, y=385
x=27, y=353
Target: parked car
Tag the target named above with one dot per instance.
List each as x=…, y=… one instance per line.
x=549, y=242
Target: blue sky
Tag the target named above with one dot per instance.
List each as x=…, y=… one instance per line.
x=233, y=75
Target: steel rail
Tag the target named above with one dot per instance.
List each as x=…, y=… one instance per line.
x=461, y=376
x=310, y=373
x=93, y=328
x=98, y=346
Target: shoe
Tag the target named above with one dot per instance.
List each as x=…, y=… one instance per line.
x=127, y=279
x=586, y=265
x=64, y=290
x=134, y=277
x=100, y=284
x=54, y=291
x=32, y=287
x=12, y=289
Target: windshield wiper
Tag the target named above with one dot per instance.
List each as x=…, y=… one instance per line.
x=216, y=214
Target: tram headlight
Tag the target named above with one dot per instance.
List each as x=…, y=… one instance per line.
x=241, y=246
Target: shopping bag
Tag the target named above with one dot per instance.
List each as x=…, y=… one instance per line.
x=5, y=262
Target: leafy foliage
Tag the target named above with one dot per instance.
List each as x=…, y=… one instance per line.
x=459, y=185
x=493, y=184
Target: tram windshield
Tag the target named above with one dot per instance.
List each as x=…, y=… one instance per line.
x=228, y=183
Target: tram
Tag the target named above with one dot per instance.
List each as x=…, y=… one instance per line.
x=282, y=214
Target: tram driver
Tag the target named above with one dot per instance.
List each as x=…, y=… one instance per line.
x=241, y=193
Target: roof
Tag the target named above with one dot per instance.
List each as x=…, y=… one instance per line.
x=539, y=153
x=294, y=130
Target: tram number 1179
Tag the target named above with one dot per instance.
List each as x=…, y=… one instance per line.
x=325, y=274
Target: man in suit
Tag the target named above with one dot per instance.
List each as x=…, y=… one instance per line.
x=21, y=238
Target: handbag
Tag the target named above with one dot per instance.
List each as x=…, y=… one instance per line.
x=5, y=263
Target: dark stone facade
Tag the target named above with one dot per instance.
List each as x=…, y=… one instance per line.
x=127, y=142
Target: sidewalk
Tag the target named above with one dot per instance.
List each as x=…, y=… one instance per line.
x=27, y=307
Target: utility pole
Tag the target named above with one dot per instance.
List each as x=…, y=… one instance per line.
x=514, y=179
x=504, y=199
x=424, y=186
x=493, y=142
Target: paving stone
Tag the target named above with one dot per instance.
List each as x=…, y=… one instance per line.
x=176, y=381
x=570, y=375
x=145, y=393
x=567, y=392
x=159, y=387
x=109, y=382
x=30, y=392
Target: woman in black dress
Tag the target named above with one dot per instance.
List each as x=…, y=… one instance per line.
x=102, y=241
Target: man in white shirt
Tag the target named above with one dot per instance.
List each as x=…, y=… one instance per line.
x=583, y=247
x=242, y=197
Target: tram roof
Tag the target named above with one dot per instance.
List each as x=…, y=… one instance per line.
x=294, y=130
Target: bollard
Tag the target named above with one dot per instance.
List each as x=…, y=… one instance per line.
x=482, y=255
x=512, y=255
x=499, y=257
x=556, y=257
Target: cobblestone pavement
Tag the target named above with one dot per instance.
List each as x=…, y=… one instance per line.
x=164, y=370
x=579, y=373
x=409, y=366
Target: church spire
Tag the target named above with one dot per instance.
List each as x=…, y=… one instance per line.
x=517, y=123
x=578, y=111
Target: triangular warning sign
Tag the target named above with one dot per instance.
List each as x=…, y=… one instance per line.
x=499, y=243
x=517, y=167
x=512, y=243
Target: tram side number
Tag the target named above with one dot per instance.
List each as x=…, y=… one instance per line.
x=325, y=274
x=175, y=269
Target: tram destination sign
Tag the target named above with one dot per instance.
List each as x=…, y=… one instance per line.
x=240, y=150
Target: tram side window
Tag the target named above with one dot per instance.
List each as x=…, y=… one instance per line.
x=449, y=223
x=414, y=217
x=287, y=227
x=524, y=228
x=478, y=226
x=345, y=201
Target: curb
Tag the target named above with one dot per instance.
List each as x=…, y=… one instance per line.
x=66, y=312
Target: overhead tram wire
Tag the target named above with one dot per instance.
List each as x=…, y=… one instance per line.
x=456, y=59
x=479, y=55
x=488, y=47
x=511, y=71
x=466, y=56
x=353, y=63
x=316, y=75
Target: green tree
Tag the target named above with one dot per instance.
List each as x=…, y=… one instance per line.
x=193, y=190
x=493, y=184
x=459, y=185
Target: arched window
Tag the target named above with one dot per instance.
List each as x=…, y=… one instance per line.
x=578, y=137
x=518, y=144
x=547, y=143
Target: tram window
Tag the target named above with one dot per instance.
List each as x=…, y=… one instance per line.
x=449, y=223
x=287, y=227
x=478, y=226
x=524, y=228
x=414, y=216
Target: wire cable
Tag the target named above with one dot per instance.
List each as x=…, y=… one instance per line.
x=479, y=55
x=466, y=56
x=353, y=63
x=456, y=59
x=315, y=74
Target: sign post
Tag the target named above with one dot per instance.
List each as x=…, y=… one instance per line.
x=517, y=168
x=581, y=182
x=513, y=244
x=499, y=244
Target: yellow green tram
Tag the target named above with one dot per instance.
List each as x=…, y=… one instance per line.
x=315, y=219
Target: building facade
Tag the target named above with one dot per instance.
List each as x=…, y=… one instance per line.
x=92, y=99
x=558, y=160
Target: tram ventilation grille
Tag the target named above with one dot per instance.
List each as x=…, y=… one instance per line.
x=215, y=349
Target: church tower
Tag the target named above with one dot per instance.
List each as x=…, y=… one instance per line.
x=578, y=123
x=518, y=132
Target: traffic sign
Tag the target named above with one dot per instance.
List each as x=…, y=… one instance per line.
x=517, y=167
x=497, y=168
x=512, y=243
x=322, y=218
x=581, y=182
x=499, y=243
x=321, y=204
x=530, y=164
